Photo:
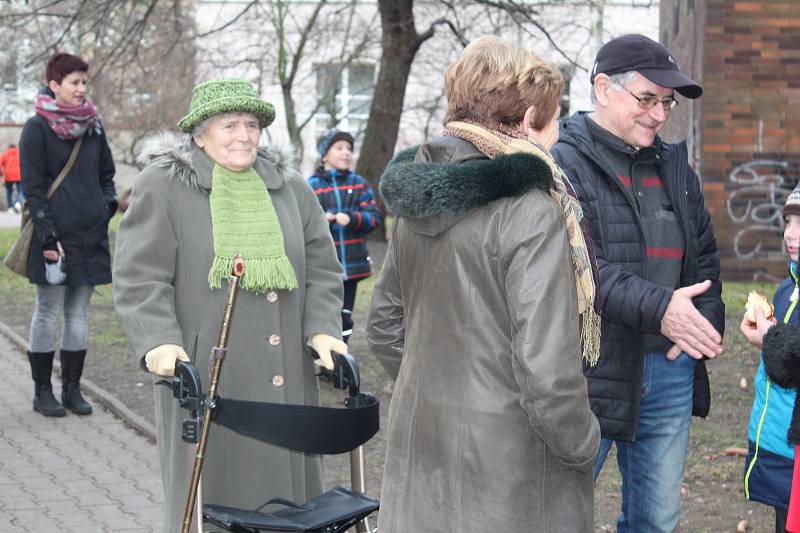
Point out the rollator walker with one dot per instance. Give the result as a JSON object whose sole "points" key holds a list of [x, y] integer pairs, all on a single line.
{"points": [[309, 429]]}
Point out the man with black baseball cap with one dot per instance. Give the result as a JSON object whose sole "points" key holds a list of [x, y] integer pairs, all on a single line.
{"points": [[648, 58], [658, 265]]}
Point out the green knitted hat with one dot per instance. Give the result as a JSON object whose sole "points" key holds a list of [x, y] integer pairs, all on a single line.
{"points": [[226, 95]]}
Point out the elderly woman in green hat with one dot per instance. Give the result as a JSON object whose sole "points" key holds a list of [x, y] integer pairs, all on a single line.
{"points": [[202, 198]]}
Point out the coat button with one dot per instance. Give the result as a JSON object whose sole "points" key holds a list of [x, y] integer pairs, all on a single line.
{"points": [[272, 297], [274, 340], [277, 380]]}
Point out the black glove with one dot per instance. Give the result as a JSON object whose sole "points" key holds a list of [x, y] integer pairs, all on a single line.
{"points": [[111, 208], [50, 244]]}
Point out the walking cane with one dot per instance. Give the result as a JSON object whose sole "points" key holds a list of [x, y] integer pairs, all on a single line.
{"points": [[215, 368]]}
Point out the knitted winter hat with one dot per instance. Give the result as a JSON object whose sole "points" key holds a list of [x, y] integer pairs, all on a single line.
{"points": [[226, 95], [792, 206], [332, 135]]}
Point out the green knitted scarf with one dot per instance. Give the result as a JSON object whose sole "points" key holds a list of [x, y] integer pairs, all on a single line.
{"points": [[244, 222]]}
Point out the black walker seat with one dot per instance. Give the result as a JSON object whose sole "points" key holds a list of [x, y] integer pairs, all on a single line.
{"points": [[309, 429], [334, 511]]}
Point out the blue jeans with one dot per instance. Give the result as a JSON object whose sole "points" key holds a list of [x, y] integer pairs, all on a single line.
{"points": [[50, 300], [651, 467], [11, 198]]}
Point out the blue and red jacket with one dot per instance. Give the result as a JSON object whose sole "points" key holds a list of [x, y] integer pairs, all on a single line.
{"points": [[770, 458], [347, 192]]}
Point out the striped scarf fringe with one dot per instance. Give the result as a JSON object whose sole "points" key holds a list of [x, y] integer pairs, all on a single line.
{"points": [[259, 275]]}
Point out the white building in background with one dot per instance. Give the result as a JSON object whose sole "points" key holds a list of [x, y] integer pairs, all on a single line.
{"points": [[245, 43], [248, 48]]}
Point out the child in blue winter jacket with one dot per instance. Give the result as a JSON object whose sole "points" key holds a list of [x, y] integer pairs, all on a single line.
{"points": [[770, 458], [349, 205]]}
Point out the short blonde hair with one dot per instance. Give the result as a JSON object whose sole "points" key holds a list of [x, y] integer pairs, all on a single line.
{"points": [[495, 81]]}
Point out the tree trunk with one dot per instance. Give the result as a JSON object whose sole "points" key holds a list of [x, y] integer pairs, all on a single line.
{"points": [[399, 45], [291, 120], [597, 10]]}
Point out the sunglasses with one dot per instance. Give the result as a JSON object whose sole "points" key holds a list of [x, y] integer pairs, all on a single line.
{"points": [[649, 101]]}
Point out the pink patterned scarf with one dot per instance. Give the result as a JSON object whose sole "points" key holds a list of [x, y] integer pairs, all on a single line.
{"points": [[67, 121]]}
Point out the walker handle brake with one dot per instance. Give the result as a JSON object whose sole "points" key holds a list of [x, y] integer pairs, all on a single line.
{"points": [[187, 389], [345, 374]]}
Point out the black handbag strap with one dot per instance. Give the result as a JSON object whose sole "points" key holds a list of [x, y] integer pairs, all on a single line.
{"points": [[306, 428], [64, 171]]}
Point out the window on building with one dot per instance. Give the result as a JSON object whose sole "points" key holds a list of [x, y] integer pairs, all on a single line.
{"points": [[345, 95]]}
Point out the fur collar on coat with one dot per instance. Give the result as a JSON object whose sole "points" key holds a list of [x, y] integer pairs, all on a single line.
{"points": [[422, 189], [782, 363], [187, 164]]}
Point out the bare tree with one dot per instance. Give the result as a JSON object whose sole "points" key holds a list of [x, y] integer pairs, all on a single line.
{"points": [[400, 42], [334, 39], [140, 47], [294, 46], [136, 49], [545, 21]]}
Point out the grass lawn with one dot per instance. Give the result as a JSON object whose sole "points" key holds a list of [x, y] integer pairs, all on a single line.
{"points": [[16, 293]]}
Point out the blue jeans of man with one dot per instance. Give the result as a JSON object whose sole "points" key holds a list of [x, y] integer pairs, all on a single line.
{"points": [[651, 466]]}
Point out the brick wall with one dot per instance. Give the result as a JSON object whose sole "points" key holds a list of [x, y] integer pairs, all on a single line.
{"points": [[750, 125]]}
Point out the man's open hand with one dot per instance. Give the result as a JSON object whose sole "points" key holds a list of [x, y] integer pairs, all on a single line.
{"points": [[683, 324]]}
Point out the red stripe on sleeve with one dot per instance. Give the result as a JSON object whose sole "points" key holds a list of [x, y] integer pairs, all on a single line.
{"points": [[665, 253]]}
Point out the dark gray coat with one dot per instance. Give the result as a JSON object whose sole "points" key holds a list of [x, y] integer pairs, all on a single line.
{"points": [[164, 251], [475, 314]]}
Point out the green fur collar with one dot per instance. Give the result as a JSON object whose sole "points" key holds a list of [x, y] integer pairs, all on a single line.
{"points": [[419, 189]]}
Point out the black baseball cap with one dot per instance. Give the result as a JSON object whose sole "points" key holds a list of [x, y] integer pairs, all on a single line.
{"points": [[647, 57]]}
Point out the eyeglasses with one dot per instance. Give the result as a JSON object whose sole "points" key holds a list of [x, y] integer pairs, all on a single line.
{"points": [[649, 101]]}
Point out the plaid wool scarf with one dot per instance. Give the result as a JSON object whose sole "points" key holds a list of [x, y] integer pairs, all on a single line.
{"points": [[496, 142], [68, 122], [244, 222]]}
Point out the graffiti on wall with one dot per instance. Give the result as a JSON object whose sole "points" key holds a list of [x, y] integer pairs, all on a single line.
{"points": [[755, 205]]}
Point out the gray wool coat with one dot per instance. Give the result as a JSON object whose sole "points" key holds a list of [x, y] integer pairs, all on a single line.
{"points": [[163, 254], [475, 314]]}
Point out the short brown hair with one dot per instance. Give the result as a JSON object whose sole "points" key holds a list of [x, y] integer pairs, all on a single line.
{"points": [[495, 81], [61, 65]]}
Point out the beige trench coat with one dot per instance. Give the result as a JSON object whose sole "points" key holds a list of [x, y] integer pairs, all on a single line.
{"points": [[163, 254], [476, 317]]}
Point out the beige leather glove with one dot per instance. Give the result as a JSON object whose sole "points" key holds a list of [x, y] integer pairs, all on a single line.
{"points": [[323, 344], [161, 359]]}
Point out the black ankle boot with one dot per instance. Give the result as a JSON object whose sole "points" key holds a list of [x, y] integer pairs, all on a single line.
{"points": [[43, 400], [71, 372], [73, 400]]}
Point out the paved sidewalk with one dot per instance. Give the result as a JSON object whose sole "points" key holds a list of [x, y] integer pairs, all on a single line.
{"points": [[9, 220], [70, 474]]}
